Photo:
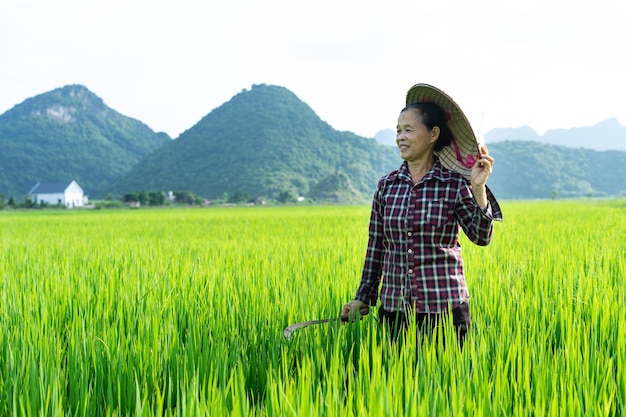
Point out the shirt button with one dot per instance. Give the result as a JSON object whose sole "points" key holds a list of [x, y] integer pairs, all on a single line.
{"points": [[411, 271], [410, 233], [410, 250]]}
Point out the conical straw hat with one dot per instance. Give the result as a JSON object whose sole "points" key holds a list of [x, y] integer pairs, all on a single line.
{"points": [[463, 152]]}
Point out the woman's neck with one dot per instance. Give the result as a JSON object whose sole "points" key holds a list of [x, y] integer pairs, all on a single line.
{"points": [[419, 168]]}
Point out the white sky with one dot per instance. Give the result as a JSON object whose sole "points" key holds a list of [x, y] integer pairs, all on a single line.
{"points": [[540, 63]]}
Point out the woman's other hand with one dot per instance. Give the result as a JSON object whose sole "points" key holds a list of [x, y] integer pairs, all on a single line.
{"points": [[351, 309]]}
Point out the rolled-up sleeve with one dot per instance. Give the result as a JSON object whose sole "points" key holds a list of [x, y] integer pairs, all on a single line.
{"points": [[372, 267]]}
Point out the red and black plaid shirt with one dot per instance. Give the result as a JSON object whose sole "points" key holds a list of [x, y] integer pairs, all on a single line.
{"points": [[413, 240]]}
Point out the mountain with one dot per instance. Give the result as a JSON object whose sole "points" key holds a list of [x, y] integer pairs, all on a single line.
{"points": [[69, 134], [519, 133], [529, 170], [607, 135], [386, 137], [262, 142], [335, 188]]}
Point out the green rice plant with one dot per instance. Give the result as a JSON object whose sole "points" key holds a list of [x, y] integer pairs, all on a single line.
{"points": [[180, 312]]}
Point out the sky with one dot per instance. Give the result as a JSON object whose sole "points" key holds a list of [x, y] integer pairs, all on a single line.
{"points": [[538, 63]]}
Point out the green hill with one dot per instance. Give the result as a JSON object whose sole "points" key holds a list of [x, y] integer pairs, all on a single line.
{"points": [[336, 188], [529, 170], [69, 134], [262, 142]]}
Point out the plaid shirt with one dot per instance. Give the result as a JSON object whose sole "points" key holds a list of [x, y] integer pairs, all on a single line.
{"points": [[413, 240]]}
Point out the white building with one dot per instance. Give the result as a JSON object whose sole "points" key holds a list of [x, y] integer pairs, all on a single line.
{"points": [[68, 194]]}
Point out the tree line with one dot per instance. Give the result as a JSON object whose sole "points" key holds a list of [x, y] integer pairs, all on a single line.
{"points": [[137, 198], [153, 199]]}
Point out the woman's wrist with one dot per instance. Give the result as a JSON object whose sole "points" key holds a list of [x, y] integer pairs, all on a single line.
{"points": [[480, 194]]}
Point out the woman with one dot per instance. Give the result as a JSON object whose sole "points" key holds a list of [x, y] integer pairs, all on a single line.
{"points": [[416, 213]]}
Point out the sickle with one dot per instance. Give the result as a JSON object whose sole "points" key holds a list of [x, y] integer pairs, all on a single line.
{"points": [[290, 329]]}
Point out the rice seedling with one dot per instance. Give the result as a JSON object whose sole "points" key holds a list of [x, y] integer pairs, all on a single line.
{"points": [[181, 312]]}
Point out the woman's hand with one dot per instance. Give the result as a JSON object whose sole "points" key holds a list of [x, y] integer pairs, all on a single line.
{"points": [[478, 177], [482, 168], [350, 310]]}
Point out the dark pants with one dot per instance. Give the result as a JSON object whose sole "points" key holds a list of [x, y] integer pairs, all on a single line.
{"points": [[428, 324]]}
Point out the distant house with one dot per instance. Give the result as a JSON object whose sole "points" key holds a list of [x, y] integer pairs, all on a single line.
{"points": [[66, 193]]}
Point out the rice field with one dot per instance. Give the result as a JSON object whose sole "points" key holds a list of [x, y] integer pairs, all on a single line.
{"points": [[180, 312]]}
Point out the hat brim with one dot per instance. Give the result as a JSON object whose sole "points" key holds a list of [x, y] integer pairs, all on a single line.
{"points": [[461, 154]]}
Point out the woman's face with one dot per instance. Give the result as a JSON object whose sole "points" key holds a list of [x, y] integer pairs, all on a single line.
{"points": [[414, 139]]}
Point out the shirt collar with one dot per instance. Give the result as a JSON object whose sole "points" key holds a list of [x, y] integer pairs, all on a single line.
{"points": [[437, 171]]}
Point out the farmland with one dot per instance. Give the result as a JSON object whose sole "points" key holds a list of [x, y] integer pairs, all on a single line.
{"points": [[182, 311]]}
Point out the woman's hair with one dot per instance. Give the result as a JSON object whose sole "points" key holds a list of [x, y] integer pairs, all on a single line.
{"points": [[432, 115]]}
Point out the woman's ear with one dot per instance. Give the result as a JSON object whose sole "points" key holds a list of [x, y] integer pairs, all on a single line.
{"points": [[434, 133]]}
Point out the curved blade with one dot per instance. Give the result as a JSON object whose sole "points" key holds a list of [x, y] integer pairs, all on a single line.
{"points": [[290, 329]]}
